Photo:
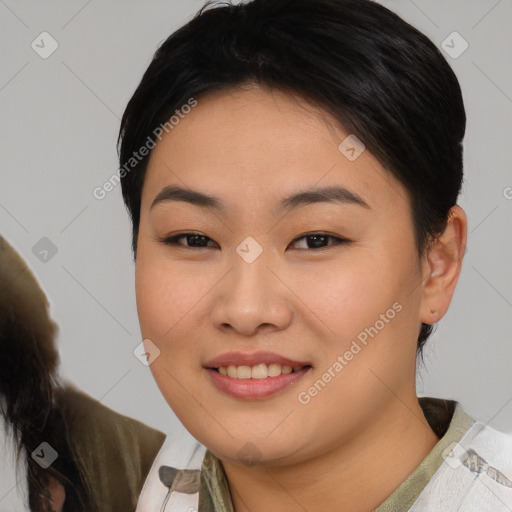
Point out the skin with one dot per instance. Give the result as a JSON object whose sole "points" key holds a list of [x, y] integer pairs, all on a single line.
{"points": [[356, 441], [58, 495]]}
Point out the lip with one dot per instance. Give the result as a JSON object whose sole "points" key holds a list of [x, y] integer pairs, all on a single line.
{"points": [[254, 388], [241, 359]]}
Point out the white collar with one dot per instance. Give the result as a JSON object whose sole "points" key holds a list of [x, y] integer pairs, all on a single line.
{"points": [[172, 484]]}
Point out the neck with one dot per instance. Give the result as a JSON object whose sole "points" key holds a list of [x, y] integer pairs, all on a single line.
{"points": [[356, 476]]}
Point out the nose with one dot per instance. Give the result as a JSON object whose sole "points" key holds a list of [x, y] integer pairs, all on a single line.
{"points": [[252, 298]]}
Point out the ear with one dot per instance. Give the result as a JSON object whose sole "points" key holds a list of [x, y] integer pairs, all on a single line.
{"points": [[441, 267]]}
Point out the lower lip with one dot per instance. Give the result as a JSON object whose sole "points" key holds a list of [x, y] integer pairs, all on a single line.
{"points": [[255, 388]]}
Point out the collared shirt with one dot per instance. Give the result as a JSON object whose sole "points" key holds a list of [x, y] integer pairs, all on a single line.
{"points": [[469, 469]]}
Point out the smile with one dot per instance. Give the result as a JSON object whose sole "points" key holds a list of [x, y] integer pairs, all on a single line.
{"points": [[260, 371], [254, 376], [254, 388]]}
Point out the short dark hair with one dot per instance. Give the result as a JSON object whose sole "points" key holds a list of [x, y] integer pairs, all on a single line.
{"points": [[381, 78]]}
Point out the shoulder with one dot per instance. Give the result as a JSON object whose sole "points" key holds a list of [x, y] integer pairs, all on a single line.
{"points": [[113, 452], [179, 460], [492, 445], [88, 417], [476, 474]]}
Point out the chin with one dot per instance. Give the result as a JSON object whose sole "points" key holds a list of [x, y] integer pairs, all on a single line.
{"points": [[248, 448]]}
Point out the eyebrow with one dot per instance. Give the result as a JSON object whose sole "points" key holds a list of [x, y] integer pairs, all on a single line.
{"points": [[327, 194]]}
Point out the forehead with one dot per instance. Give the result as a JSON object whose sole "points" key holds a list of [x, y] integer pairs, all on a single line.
{"points": [[253, 145]]}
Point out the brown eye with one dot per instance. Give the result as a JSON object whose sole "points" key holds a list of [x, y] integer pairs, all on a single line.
{"points": [[199, 241], [319, 241], [192, 240]]}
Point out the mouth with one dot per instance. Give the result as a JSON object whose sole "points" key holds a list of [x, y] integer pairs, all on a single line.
{"points": [[259, 371], [258, 365], [255, 376]]}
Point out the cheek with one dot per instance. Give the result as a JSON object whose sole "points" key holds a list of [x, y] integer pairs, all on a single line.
{"points": [[164, 292], [165, 302], [343, 295], [150, 296], [364, 297], [173, 311]]}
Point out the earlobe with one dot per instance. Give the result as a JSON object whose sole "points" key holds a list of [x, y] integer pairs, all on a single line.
{"points": [[442, 266]]}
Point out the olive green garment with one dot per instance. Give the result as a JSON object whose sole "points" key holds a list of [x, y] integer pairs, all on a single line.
{"points": [[114, 453], [446, 418]]}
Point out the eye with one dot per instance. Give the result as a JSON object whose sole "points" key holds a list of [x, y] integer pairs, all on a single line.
{"points": [[196, 240], [317, 240], [199, 241]]}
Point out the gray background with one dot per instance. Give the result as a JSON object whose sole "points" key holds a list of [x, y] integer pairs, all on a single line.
{"points": [[58, 128]]}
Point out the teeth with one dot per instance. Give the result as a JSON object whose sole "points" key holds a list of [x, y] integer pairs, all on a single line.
{"points": [[243, 372], [260, 371], [274, 370]]}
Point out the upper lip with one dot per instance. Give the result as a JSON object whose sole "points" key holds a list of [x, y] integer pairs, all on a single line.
{"points": [[241, 359]]}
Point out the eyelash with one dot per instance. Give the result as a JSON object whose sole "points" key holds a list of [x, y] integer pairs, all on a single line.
{"points": [[173, 240]]}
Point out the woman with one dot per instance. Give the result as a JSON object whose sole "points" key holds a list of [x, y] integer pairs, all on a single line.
{"points": [[65, 451], [292, 170]]}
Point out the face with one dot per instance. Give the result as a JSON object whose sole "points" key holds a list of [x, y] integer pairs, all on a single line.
{"points": [[330, 287]]}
